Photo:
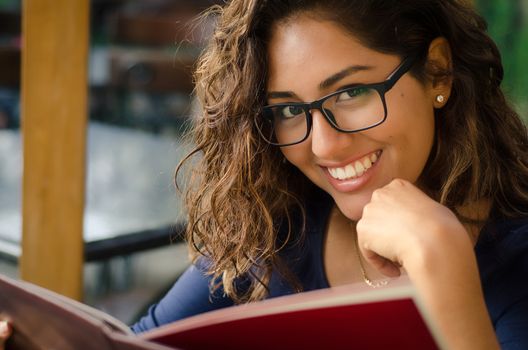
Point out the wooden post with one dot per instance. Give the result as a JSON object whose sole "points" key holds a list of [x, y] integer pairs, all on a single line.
{"points": [[54, 114]]}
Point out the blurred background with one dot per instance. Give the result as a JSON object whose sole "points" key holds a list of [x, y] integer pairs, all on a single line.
{"points": [[508, 26], [140, 104], [141, 56]]}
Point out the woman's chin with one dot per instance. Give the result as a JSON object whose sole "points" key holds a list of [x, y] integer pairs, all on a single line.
{"points": [[352, 212]]}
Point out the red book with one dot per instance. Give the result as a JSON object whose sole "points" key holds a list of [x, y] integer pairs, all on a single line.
{"points": [[348, 317]]}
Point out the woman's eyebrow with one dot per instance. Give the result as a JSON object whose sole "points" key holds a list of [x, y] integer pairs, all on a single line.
{"points": [[341, 75], [331, 80], [280, 94]]}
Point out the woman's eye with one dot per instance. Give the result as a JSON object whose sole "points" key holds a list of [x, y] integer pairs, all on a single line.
{"points": [[352, 93], [291, 111]]}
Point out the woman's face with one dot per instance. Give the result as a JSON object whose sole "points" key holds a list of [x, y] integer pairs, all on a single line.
{"points": [[303, 53]]}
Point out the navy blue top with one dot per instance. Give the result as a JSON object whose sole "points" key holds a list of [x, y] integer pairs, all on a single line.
{"points": [[502, 255]]}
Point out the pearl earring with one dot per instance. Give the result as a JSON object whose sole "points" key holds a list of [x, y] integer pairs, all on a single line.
{"points": [[440, 98]]}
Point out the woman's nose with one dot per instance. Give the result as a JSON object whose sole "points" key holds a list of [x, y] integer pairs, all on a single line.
{"points": [[326, 141]]}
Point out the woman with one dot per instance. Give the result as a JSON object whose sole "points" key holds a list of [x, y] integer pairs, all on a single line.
{"points": [[408, 160], [345, 141]]}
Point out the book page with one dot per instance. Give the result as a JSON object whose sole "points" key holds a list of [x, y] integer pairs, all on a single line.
{"points": [[42, 319]]}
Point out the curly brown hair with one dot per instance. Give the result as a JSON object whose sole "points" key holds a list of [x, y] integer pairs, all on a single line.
{"points": [[240, 190]]}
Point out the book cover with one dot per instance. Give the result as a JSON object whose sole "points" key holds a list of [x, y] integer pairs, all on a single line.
{"points": [[348, 317]]}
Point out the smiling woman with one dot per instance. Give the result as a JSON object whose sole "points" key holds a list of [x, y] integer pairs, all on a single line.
{"points": [[346, 141], [401, 152]]}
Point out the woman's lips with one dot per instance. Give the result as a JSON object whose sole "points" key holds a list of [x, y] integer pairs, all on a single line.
{"points": [[355, 174]]}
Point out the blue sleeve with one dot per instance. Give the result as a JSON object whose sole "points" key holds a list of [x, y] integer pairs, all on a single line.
{"points": [[512, 327], [188, 296], [504, 268]]}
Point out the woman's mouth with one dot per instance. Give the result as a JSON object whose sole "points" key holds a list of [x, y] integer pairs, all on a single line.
{"points": [[356, 168], [353, 176]]}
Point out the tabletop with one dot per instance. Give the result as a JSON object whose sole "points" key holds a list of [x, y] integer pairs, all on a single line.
{"points": [[130, 193]]}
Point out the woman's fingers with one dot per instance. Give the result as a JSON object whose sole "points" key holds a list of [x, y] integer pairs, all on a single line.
{"points": [[5, 332], [400, 224], [383, 265]]}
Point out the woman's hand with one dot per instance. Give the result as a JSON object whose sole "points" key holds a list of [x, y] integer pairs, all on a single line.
{"points": [[403, 227], [5, 332]]}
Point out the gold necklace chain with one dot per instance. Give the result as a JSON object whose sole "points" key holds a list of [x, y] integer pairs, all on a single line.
{"points": [[367, 280]]}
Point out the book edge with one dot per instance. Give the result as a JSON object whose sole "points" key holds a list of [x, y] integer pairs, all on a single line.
{"points": [[353, 294], [68, 304]]}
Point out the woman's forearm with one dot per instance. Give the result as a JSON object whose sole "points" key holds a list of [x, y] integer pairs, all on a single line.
{"points": [[449, 284]]}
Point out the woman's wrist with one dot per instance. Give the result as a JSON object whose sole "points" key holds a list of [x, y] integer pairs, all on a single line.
{"points": [[439, 244]]}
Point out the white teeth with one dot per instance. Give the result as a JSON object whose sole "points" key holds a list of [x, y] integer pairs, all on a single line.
{"points": [[350, 171], [359, 168], [341, 174], [355, 169]]}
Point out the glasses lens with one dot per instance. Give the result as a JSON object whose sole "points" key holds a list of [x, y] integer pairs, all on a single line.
{"points": [[355, 108], [284, 124]]}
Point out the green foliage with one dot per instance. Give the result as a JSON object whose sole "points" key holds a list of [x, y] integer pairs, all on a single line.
{"points": [[508, 26], [10, 5]]}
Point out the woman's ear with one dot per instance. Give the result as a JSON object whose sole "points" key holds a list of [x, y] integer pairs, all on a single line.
{"points": [[440, 68]]}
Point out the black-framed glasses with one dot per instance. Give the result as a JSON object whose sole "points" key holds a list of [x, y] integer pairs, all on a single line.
{"points": [[351, 109]]}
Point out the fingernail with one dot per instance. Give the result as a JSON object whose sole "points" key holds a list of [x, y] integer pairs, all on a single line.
{"points": [[4, 329]]}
